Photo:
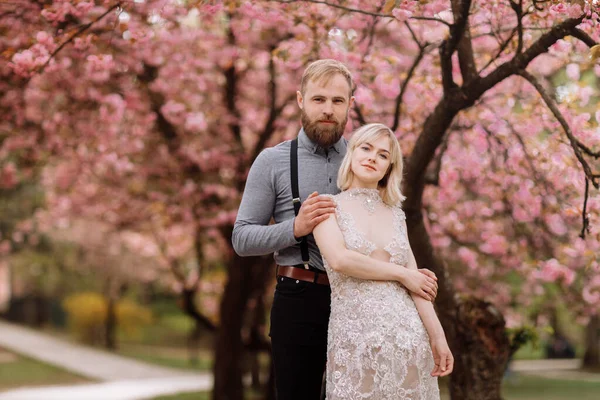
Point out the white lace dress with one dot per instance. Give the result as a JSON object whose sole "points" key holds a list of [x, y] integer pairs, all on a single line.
{"points": [[377, 347]]}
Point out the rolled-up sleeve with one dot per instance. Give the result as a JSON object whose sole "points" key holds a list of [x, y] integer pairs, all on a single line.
{"points": [[252, 235]]}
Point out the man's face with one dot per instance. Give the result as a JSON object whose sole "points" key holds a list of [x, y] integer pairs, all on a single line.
{"points": [[325, 109]]}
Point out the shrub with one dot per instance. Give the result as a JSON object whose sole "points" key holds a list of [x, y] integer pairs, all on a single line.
{"points": [[87, 315]]}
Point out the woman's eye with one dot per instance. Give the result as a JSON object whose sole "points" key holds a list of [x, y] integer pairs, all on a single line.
{"points": [[383, 156]]}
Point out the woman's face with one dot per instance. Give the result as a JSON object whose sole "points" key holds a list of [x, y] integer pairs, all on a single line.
{"points": [[370, 162]]}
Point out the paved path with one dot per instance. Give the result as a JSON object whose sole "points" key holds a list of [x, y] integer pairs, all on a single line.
{"points": [[117, 390], [123, 378]]}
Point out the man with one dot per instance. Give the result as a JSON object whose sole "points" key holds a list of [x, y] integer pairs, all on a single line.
{"points": [[300, 312]]}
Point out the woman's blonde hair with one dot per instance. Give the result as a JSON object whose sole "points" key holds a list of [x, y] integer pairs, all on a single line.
{"points": [[390, 185]]}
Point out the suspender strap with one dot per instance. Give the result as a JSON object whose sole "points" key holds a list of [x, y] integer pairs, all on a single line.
{"points": [[296, 196]]}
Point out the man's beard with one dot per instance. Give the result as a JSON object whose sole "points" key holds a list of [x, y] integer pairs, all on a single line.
{"points": [[325, 136]]}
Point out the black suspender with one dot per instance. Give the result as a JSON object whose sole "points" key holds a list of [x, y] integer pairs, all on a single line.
{"points": [[296, 197]]}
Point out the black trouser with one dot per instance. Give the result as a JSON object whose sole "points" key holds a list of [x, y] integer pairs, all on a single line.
{"points": [[299, 320]]}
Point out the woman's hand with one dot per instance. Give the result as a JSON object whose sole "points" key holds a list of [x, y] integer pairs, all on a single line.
{"points": [[422, 282], [444, 361]]}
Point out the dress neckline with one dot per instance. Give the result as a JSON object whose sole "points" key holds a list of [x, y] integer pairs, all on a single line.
{"points": [[367, 191], [370, 197]]}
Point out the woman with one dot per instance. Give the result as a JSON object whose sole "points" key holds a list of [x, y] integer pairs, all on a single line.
{"points": [[383, 341]]}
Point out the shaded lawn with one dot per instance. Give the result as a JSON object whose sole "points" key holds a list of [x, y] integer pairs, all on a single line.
{"points": [[174, 357], [518, 387], [525, 387], [18, 371]]}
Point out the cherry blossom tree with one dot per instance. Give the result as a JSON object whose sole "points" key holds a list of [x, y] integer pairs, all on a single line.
{"points": [[149, 114]]}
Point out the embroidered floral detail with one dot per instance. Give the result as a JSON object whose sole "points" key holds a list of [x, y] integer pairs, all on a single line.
{"points": [[377, 346]]}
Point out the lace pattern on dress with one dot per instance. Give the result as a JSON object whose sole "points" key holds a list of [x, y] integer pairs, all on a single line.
{"points": [[377, 346]]}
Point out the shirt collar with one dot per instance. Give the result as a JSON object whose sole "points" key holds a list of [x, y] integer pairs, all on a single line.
{"points": [[311, 146]]}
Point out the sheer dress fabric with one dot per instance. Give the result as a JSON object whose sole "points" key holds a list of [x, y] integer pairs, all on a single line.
{"points": [[377, 347]]}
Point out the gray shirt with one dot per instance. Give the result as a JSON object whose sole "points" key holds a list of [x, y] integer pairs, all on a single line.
{"points": [[268, 193]]}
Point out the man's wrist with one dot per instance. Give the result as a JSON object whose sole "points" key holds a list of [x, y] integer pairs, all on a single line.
{"points": [[297, 237]]}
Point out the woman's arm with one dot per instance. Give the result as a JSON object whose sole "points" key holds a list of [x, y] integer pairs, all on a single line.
{"points": [[333, 248], [444, 361]]}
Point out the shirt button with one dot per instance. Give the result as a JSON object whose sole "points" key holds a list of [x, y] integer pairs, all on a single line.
{"points": [[329, 180], [329, 159]]}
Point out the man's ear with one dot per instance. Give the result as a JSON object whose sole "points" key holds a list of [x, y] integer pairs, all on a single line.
{"points": [[351, 101], [299, 99]]}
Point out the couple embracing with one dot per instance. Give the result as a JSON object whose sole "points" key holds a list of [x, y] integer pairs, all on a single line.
{"points": [[349, 299]]}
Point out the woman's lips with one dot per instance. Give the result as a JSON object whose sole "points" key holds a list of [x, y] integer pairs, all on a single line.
{"points": [[369, 167]]}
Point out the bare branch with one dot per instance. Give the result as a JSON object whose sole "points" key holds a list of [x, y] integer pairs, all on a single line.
{"points": [[355, 10], [587, 150], [78, 32], [274, 112], [466, 59], [359, 114], [558, 115], [433, 176], [359, 11], [584, 37], [404, 86], [586, 221], [518, 9], [432, 19], [477, 87], [457, 30], [230, 94], [503, 47]]}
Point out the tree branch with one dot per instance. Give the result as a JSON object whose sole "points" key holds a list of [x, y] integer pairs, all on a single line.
{"points": [[432, 177], [231, 87], [274, 112], [503, 47], [355, 10], [404, 85], [474, 89], [586, 221], [359, 114], [584, 37], [518, 9], [466, 59], [78, 32], [558, 115], [587, 150], [448, 24], [457, 30]]}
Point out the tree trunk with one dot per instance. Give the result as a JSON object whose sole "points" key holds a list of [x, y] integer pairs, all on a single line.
{"points": [[245, 276], [484, 350], [591, 358], [110, 327]]}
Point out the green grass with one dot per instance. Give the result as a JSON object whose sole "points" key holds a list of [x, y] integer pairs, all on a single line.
{"points": [[186, 396], [21, 371], [525, 387], [530, 352], [174, 357], [519, 387]]}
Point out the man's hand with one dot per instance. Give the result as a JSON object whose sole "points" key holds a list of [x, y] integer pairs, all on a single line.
{"points": [[422, 282], [314, 210], [442, 357]]}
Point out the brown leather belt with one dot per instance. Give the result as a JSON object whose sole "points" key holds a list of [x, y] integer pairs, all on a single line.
{"points": [[302, 274]]}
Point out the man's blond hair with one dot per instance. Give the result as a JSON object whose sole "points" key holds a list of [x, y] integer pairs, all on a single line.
{"points": [[324, 70]]}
